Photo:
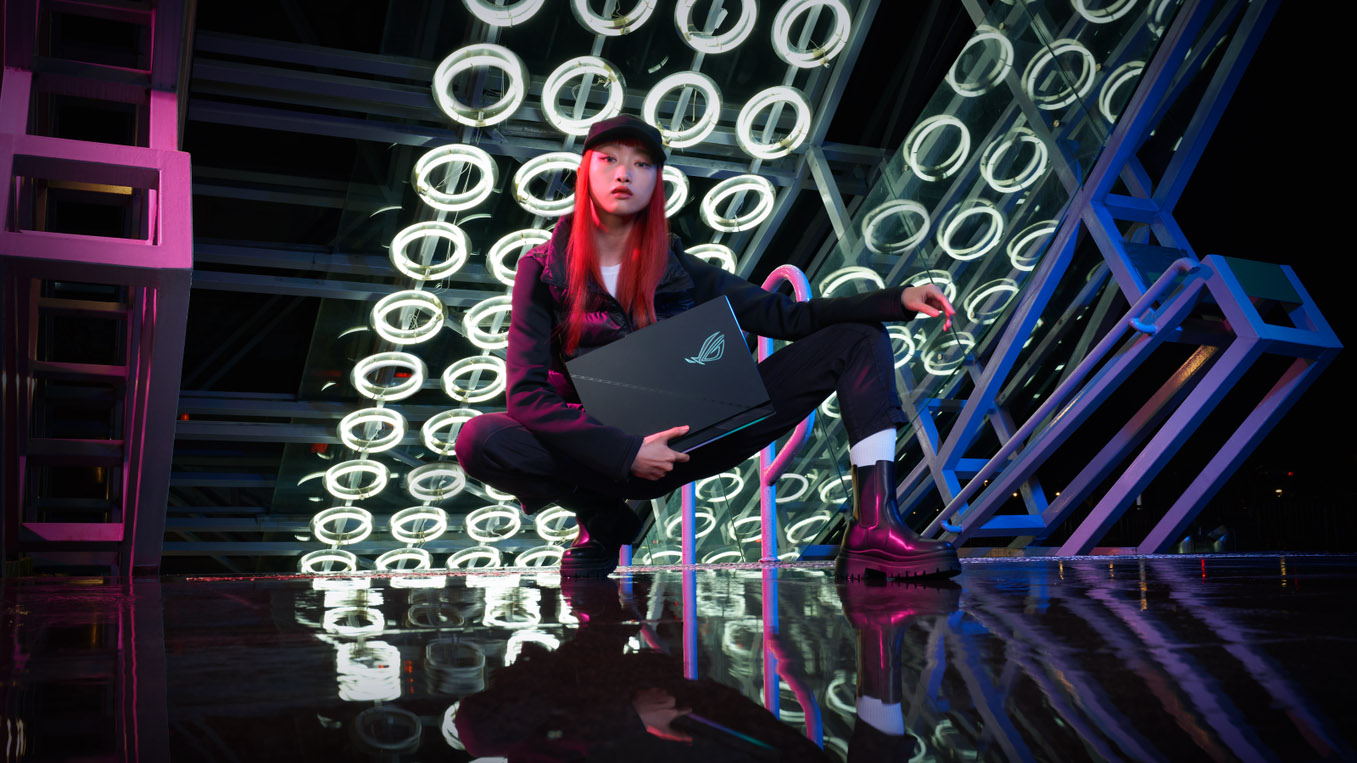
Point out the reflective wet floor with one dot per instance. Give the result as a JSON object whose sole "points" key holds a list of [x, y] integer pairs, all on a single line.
{"points": [[1123, 658]]}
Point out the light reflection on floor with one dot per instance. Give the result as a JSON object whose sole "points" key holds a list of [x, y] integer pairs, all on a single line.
{"points": [[1134, 658]]}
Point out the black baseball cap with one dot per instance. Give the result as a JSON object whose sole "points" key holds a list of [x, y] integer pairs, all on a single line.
{"points": [[625, 126]]}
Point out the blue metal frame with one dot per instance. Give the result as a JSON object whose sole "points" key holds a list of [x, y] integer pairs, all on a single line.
{"points": [[1165, 422]]}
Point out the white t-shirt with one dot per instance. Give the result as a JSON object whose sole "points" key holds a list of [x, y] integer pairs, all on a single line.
{"points": [[609, 273]]}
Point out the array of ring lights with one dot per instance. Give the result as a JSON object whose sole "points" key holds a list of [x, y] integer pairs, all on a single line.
{"points": [[997, 168]]}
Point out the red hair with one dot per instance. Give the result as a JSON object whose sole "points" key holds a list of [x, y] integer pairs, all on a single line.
{"points": [[647, 253]]}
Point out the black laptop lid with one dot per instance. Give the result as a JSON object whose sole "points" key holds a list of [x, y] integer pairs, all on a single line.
{"points": [[693, 368]]}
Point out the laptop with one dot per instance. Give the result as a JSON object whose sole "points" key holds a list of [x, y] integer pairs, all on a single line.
{"points": [[693, 368]]}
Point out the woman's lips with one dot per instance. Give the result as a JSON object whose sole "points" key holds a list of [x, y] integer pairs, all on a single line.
{"points": [[622, 192]]}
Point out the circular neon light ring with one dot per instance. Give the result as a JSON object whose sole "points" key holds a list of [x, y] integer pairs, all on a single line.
{"points": [[332, 525], [1112, 12], [1088, 66], [465, 59], [951, 224], [719, 488], [804, 530], [697, 131], [583, 66], [455, 154], [900, 336], [435, 271], [340, 478], [1032, 172], [1158, 24], [1017, 249], [844, 484], [467, 558], [326, 559], [1123, 75], [740, 638], [540, 556], [703, 523], [736, 527], [556, 161], [514, 245], [418, 524], [485, 311], [841, 685], [954, 343], [802, 485], [423, 308], [508, 14], [843, 276], [389, 728], [353, 621], [974, 304], [619, 24], [432, 483], [805, 58], [467, 367], [490, 524], [767, 99], [394, 559], [451, 421], [556, 525], [730, 187], [402, 361], [903, 208], [1003, 63], [676, 190], [915, 152], [714, 43], [498, 495], [372, 417], [719, 255], [514, 645]]}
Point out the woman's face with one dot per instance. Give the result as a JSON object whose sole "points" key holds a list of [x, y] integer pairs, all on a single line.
{"points": [[621, 181]]}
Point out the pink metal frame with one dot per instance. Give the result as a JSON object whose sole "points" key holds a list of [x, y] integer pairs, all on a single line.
{"points": [[154, 267]]}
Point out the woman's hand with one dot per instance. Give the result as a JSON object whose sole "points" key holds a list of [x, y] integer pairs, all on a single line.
{"points": [[929, 300], [655, 458], [658, 709]]}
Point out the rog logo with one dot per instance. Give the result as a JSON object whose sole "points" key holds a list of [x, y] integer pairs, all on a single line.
{"points": [[712, 349]]}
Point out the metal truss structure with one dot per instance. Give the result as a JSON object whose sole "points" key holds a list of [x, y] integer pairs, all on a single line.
{"points": [[1230, 312], [1031, 145], [95, 259]]}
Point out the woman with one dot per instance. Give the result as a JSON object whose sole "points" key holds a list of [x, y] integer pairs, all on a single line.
{"points": [[612, 268]]}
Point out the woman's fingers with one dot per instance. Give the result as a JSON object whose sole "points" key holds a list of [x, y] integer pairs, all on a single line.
{"points": [[929, 300], [668, 434], [656, 458]]}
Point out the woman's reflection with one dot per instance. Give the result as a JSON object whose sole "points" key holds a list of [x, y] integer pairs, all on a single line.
{"points": [[593, 699]]}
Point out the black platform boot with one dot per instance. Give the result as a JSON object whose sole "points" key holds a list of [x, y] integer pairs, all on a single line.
{"points": [[877, 541], [606, 525]]}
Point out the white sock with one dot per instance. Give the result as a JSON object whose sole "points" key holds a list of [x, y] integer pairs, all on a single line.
{"points": [[883, 717], [873, 448]]}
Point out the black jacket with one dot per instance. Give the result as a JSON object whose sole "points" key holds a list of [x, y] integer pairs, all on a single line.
{"points": [[540, 395]]}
